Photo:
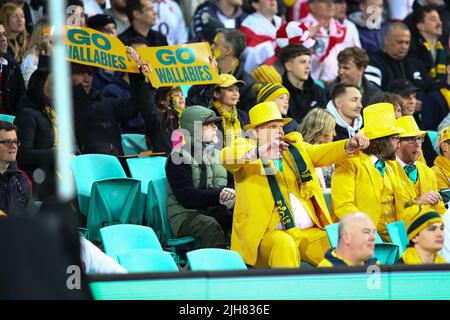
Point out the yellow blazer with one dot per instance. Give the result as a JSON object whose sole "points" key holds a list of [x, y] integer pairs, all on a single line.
{"points": [[356, 185], [426, 181], [255, 213], [441, 169]]}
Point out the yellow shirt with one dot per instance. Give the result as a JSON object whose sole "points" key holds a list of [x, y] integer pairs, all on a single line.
{"points": [[426, 181], [356, 185], [410, 256], [441, 169]]}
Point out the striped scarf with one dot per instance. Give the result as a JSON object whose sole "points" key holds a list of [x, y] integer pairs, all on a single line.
{"points": [[51, 114], [438, 66], [231, 125]]}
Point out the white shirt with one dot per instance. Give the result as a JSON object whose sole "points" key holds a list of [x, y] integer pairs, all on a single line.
{"points": [[445, 251], [170, 22], [301, 217], [96, 261], [402, 163]]}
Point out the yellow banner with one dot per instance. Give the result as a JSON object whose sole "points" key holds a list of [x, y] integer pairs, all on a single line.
{"points": [[91, 47], [186, 64]]}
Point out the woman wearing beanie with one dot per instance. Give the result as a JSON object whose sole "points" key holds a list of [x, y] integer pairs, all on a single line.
{"points": [[425, 229], [280, 95]]}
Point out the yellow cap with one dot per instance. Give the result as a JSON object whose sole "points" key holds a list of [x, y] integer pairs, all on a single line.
{"points": [[263, 113], [444, 135], [379, 121], [226, 80], [409, 127], [418, 217]]}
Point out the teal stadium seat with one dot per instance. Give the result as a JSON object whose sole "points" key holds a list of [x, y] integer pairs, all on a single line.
{"points": [[157, 204], [133, 143], [122, 238], [332, 231], [215, 260], [398, 235], [386, 253], [147, 260], [113, 201], [7, 117], [147, 169], [87, 169]]}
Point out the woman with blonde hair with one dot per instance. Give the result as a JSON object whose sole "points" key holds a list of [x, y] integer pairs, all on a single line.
{"points": [[317, 127], [13, 18], [40, 44]]}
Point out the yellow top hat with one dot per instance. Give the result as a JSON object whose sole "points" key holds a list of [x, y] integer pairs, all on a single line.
{"points": [[409, 126], [379, 120], [264, 112], [226, 80], [418, 217], [444, 135]]}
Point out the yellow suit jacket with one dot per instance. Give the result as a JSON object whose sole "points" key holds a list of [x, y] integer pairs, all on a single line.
{"points": [[255, 213], [441, 169], [426, 182], [356, 185]]}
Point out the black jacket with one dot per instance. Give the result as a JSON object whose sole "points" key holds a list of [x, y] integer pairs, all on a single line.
{"points": [[37, 137], [15, 193], [435, 108], [13, 87], [154, 38], [301, 101], [382, 69], [97, 117]]}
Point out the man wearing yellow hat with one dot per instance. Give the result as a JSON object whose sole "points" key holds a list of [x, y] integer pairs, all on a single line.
{"points": [[366, 183], [425, 230], [442, 163], [417, 179], [280, 211]]}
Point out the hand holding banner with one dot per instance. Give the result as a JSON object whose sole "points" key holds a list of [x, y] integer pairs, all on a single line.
{"points": [[187, 64]]}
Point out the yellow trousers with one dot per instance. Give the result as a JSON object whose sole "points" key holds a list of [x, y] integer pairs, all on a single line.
{"points": [[278, 249]]}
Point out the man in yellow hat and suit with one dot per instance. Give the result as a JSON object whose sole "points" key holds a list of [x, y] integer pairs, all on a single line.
{"points": [[442, 163], [366, 184], [425, 229], [280, 211], [417, 178]]}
